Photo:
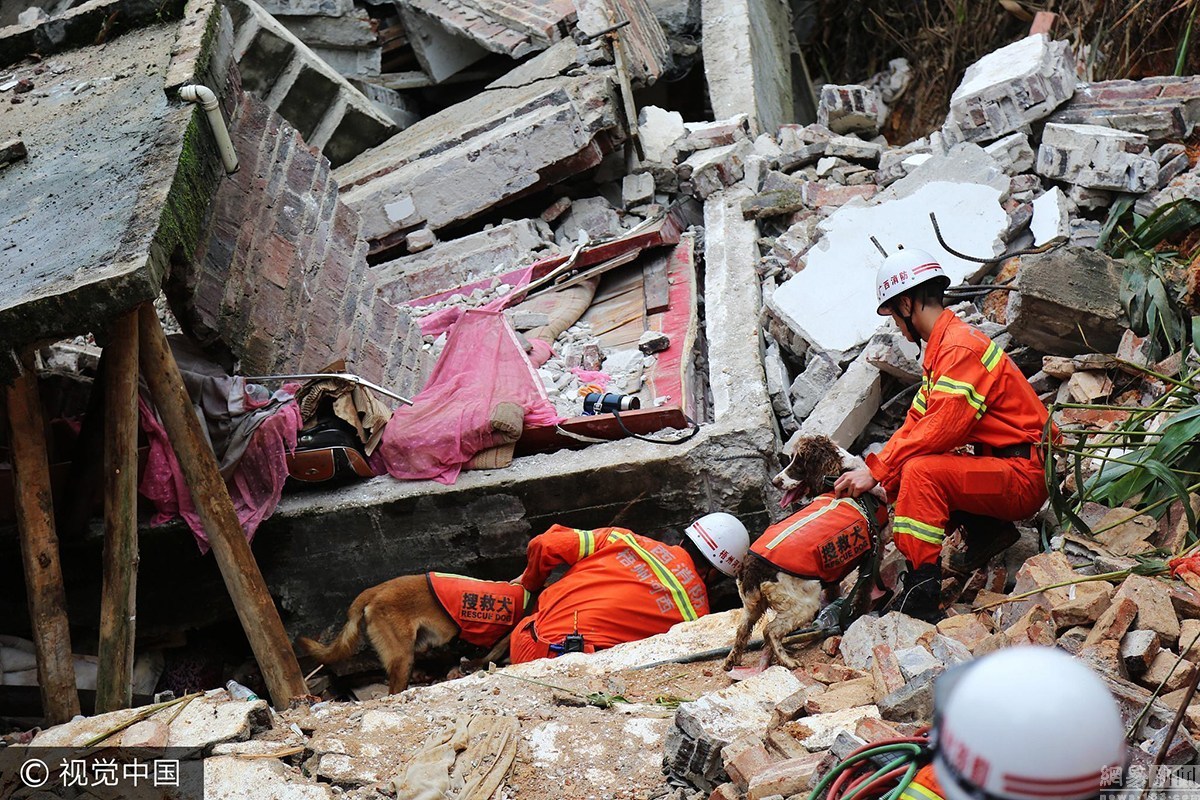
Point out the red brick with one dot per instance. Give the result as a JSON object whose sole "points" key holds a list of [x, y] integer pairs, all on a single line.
{"points": [[885, 670], [870, 730], [726, 791], [747, 763], [1114, 622], [832, 673], [785, 778]]}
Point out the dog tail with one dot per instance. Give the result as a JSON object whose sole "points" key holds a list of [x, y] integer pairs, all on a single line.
{"points": [[345, 645]]}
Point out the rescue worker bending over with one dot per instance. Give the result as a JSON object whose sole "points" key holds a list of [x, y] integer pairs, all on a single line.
{"points": [[971, 394], [620, 586]]}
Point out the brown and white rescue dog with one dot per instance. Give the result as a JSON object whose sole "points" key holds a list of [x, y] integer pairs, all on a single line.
{"points": [[403, 618], [795, 600]]}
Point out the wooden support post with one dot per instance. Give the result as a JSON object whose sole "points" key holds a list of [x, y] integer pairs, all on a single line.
{"points": [[114, 684], [39, 549], [255, 608]]}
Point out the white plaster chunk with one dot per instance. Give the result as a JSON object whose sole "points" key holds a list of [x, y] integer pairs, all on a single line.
{"points": [[1013, 153], [659, 130], [1009, 88], [737, 710], [1051, 217], [1097, 157], [823, 729], [831, 303], [915, 660]]}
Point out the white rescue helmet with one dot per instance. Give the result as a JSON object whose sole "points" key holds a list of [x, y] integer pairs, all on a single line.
{"points": [[901, 271], [722, 538], [1028, 723]]}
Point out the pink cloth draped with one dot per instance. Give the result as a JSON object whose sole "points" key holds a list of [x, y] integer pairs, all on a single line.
{"points": [[483, 364], [255, 485]]}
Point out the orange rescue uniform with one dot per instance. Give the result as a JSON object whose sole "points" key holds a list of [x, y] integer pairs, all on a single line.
{"points": [[620, 587], [484, 611], [823, 541], [924, 786], [971, 393]]}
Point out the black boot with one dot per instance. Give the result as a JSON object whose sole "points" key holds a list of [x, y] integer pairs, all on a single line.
{"points": [[983, 537], [921, 597]]}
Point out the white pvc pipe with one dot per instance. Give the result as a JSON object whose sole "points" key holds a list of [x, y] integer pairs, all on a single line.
{"points": [[208, 101]]}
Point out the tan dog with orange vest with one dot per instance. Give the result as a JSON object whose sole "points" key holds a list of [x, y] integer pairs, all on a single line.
{"points": [[412, 614], [815, 548]]}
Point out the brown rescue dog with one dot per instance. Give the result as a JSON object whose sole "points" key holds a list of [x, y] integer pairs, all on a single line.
{"points": [[795, 600], [403, 618]]}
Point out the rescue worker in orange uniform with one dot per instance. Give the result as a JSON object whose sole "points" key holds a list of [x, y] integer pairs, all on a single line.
{"points": [[971, 394], [620, 586]]}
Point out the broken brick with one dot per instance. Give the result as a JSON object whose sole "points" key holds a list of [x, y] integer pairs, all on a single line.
{"points": [[1138, 651], [1114, 622], [785, 778], [885, 671]]}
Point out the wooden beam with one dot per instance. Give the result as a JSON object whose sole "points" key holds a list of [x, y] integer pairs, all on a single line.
{"points": [[255, 608], [39, 549], [114, 683]]}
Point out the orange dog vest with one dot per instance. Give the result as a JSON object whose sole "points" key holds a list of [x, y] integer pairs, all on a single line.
{"points": [[823, 541], [484, 610]]}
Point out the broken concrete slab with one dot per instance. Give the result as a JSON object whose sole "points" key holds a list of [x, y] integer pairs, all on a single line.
{"points": [[1010, 88], [1159, 107], [501, 142], [1097, 157], [747, 61], [915, 660], [515, 29], [810, 386], [850, 109], [1182, 186], [463, 261], [831, 303], [846, 410], [594, 216], [852, 148], [440, 52], [324, 107], [1062, 290]]}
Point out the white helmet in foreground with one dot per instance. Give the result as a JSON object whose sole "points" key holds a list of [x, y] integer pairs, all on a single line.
{"points": [[1028, 723], [722, 538], [903, 270]]}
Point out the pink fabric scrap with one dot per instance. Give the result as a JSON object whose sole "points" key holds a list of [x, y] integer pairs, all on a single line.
{"points": [[585, 376], [255, 486], [483, 364]]}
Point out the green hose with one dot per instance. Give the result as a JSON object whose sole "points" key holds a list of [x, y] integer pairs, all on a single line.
{"points": [[912, 751]]}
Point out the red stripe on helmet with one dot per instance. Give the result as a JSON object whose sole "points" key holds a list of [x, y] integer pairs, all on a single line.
{"points": [[704, 535], [926, 267]]}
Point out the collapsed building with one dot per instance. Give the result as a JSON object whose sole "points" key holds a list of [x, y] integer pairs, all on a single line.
{"points": [[720, 270]]}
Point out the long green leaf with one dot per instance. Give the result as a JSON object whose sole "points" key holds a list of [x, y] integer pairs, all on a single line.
{"points": [[1181, 429], [1182, 53], [1115, 213], [1166, 222], [1160, 471], [1164, 308]]}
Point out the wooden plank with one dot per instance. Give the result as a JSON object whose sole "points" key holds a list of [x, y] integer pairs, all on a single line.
{"points": [[114, 682], [656, 285], [601, 426], [44, 589], [255, 608]]}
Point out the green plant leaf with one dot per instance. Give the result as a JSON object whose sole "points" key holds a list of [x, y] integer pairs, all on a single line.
{"points": [[1160, 471], [1166, 222], [1115, 213]]}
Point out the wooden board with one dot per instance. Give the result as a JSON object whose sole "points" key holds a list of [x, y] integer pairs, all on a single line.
{"points": [[657, 287], [602, 426]]}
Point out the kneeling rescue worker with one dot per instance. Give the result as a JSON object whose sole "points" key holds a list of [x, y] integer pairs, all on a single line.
{"points": [[620, 586], [973, 394]]}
